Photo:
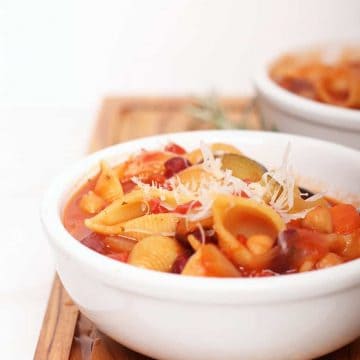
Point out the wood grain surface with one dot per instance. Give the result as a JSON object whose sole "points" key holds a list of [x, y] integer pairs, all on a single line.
{"points": [[68, 335], [58, 327]]}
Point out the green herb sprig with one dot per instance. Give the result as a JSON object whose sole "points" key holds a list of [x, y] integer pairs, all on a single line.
{"points": [[209, 110]]}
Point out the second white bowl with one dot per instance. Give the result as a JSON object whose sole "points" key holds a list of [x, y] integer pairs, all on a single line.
{"points": [[294, 114]]}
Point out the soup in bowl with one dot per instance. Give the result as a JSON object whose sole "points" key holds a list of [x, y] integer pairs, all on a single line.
{"points": [[213, 249], [314, 92]]}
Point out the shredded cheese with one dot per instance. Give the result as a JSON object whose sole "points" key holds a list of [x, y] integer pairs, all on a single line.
{"points": [[202, 233], [276, 188], [316, 196]]}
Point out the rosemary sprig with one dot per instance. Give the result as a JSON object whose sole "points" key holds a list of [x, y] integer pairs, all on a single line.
{"points": [[209, 110]]}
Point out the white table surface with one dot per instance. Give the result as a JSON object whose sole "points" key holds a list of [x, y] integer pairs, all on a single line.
{"points": [[35, 144]]}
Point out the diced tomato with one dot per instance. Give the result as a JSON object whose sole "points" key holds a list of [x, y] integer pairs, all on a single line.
{"points": [[244, 195], [127, 185], [184, 208], [150, 156], [175, 148], [155, 207], [154, 178], [294, 224], [123, 256], [241, 194], [345, 218], [180, 262], [167, 186]]}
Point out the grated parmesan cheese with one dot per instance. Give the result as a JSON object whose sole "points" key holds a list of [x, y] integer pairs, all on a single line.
{"points": [[202, 233], [279, 184]]}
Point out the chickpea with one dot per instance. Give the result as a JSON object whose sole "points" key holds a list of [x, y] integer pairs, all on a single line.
{"points": [[319, 219], [259, 244], [330, 259]]}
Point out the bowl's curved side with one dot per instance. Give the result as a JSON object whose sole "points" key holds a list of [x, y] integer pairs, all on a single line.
{"points": [[173, 317], [328, 115], [309, 110], [275, 115], [178, 329]]}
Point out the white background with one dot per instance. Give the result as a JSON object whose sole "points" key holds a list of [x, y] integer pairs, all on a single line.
{"points": [[71, 52], [59, 58]]}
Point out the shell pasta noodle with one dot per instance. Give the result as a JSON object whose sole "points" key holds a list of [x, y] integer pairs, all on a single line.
{"points": [[313, 76], [211, 212]]}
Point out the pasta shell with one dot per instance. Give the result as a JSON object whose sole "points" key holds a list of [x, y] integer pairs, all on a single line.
{"points": [[155, 253], [300, 204], [108, 185], [196, 157], [235, 216], [119, 170], [184, 226], [194, 266], [109, 221], [210, 261], [165, 195], [135, 195], [331, 83], [153, 224], [193, 176], [91, 203]]}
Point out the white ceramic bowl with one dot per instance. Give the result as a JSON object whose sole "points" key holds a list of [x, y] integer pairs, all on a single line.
{"points": [[169, 316], [294, 114]]}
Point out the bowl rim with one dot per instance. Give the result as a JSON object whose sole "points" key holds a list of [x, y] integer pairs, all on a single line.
{"points": [[312, 111], [192, 289]]}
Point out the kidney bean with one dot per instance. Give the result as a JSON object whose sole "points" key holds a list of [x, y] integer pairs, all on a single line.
{"points": [[94, 242], [175, 165], [180, 262]]}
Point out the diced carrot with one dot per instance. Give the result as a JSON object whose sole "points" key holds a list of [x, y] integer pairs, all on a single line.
{"points": [[345, 218]]}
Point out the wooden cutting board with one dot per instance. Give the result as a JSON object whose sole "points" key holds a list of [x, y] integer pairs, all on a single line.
{"points": [[68, 335]]}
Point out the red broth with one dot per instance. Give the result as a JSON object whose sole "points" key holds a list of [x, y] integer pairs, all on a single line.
{"points": [[298, 248]]}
